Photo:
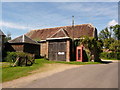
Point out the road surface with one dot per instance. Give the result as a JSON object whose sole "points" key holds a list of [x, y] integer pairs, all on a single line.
{"points": [[86, 76]]}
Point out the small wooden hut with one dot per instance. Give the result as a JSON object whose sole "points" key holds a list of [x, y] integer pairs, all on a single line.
{"points": [[23, 44]]}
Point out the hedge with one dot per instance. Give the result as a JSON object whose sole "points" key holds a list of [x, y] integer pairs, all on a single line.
{"points": [[110, 55], [23, 58]]}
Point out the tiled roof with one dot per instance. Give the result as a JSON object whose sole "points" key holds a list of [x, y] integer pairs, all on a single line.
{"points": [[60, 33], [22, 39], [75, 31]]}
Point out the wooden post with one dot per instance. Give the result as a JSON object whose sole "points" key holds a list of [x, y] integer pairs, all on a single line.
{"points": [[68, 51], [26, 60], [47, 50], [16, 62]]}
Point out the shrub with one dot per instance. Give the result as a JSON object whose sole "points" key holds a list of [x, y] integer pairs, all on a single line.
{"points": [[20, 58], [11, 57], [110, 55]]}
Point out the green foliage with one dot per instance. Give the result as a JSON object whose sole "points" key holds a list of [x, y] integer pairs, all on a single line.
{"points": [[115, 46], [12, 57], [104, 34], [110, 55], [107, 42], [111, 37], [76, 42], [116, 30], [92, 45]]}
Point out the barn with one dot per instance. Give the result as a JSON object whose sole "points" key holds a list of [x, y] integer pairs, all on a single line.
{"points": [[23, 44], [59, 46], [57, 43]]}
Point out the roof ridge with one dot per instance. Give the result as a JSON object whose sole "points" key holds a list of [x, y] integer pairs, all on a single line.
{"points": [[79, 30], [28, 38], [23, 38], [60, 27], [14, 38]]}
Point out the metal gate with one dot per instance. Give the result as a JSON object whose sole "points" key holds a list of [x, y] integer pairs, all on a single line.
{"points": [[57, 50]]}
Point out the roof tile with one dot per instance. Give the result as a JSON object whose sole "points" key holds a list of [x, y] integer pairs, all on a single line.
{"points": [[75, 31]]}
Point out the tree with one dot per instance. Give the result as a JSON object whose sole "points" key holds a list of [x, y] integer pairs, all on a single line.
{"points": [[116, 30], [105, 34], [115, 46], [107, 42], [109, 35], [94, 46]]}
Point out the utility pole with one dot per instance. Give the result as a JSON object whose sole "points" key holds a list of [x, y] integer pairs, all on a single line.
{"points": [[73, 46], [72, 20], [73, 27]]}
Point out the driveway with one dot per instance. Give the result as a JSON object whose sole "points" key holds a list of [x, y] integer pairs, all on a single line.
{"points": [[85, 76]]}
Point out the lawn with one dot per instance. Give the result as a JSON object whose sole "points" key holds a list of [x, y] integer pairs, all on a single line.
{"points": [[10, 73]]}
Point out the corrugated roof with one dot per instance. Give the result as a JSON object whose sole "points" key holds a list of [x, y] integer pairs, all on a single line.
{"points": [[22, 39], [75, 31]]}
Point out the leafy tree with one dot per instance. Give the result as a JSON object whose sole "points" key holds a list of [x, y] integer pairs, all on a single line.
{"points": [[108, 37], [116, 30], [105, 34], [115, 46], [107, 42], [94, 46]]}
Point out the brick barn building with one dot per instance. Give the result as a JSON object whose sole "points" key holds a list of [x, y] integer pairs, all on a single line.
{"points": [[56, 43]]}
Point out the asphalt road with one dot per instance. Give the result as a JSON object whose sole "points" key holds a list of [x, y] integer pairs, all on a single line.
{"points": [[86, 76]]}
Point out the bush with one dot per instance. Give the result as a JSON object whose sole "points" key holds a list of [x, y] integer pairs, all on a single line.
{"points": [[11, 57], [23, 58], [110, 55]]}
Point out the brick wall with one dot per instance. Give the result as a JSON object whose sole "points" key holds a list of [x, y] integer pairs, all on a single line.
{"points": [[18, 48], [68, 51], [43, 49]]}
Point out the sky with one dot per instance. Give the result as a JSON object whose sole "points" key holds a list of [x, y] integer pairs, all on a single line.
{"points": [[19, 18]]}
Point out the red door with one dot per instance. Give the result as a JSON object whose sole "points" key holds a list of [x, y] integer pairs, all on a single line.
{"points": [[79, 53]]}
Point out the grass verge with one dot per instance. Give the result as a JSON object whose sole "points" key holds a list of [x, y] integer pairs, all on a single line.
{"points": [[10, 73]]}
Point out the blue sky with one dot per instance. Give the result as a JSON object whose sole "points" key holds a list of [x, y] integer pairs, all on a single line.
{"points": [[20, 17]]}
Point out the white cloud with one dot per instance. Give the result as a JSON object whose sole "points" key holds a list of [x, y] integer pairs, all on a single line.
{"points": [[112, 23], [13, 25], [91, 9]]}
